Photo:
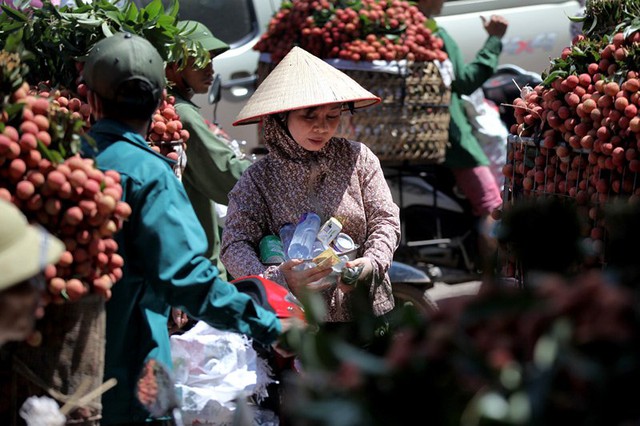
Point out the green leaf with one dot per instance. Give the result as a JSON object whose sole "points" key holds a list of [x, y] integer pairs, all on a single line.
{"points": [[153, 9], [75, 14], [18, 16], [58, 37], [81, 7], [28, 56], [367, 362], [114, 16], [13, 41], [131, 12], [432, 25], [106, 29], [554, 75], [173, 9], [314, 307], [89, 23], [21, 4], [631, 29], [51, 155], [88, 139], [13, 109], [576, 18], [76, 143], [165, 21]]}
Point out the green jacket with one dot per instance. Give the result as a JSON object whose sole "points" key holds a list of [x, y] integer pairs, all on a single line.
{"points": [[212, 170], [162, 244], [465, 150]]}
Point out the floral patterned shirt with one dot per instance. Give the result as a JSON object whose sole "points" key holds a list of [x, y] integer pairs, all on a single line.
{"points": [[344, 180]]}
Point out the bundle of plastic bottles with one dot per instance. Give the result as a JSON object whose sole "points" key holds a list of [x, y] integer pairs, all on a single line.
{"points": [[310, 240]]}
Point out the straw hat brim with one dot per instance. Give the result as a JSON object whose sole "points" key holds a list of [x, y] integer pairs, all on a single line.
{"points": [[30, 251], [301, 80]]}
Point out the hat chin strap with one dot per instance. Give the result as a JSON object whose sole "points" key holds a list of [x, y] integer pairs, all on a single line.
{"points": [[44, 243], [181, 84]]}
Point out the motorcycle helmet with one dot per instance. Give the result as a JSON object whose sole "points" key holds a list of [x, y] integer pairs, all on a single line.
{"points": [[271, 296]]}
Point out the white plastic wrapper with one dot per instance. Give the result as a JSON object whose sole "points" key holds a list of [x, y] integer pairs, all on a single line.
{"points": [[178, 169], [221, 213], [42, 411], [211, 369], [490, 131]]}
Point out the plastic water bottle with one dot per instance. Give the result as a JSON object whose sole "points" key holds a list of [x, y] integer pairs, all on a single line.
{"points": [[304, 236], [286, 233], [317, 248], [271, 251]]}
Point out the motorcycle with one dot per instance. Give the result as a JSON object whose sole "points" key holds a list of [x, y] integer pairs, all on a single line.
{"points": [[438, 229], [506, 85], [409, 287]]}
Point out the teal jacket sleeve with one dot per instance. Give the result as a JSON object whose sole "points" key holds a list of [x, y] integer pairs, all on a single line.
{"points": [[173, 239], [212, 166], [470, 76]]}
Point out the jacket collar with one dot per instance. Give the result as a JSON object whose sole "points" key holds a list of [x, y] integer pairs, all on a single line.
{"points": [[107, 131]]}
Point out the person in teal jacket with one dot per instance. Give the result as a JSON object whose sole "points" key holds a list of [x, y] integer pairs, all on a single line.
{"points": [[162, 243], [465, 156], [213, 167]]}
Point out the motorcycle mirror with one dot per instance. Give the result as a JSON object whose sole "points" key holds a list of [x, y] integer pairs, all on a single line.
{"points": [[156, 392], [215, 91]]}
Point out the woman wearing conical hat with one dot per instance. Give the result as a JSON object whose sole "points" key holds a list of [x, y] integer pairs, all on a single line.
{"points": [[309, 169], [25, 251]]}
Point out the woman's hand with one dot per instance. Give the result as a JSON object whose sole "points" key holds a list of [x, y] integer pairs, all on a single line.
{"points": [[495, 26], [365, 277], [177, 320], [299, 279], [281, 345]]}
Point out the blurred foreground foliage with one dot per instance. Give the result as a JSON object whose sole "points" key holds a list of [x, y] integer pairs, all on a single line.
{"points": [[562, 349]]}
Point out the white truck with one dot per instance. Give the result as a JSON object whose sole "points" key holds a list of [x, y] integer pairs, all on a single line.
{"points": [[538, 31]]}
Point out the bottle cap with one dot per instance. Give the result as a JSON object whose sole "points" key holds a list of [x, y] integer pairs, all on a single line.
{"points": [[343, 243]]}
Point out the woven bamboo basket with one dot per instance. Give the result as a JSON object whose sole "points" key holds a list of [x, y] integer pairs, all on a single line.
{"points": [[412, 121], [68, 364]]}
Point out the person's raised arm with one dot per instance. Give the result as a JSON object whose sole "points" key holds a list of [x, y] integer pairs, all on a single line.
{"points": [[496, 25], [174, 242]]}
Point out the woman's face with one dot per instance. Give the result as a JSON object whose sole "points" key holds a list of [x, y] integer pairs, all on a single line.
{"points": [[20, 306], [312, 128]]}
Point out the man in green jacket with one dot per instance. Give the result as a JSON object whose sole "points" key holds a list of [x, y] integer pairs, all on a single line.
{"points": [[213, 167], [162, 243], [465, 156]]}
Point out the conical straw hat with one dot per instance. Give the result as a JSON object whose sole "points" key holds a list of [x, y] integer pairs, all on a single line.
{"points": [[25, 249], [302, 80]]}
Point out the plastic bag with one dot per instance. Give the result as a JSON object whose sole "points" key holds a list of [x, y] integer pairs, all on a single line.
{"points": [[211, 369], [42, 411], [490, 131]]}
